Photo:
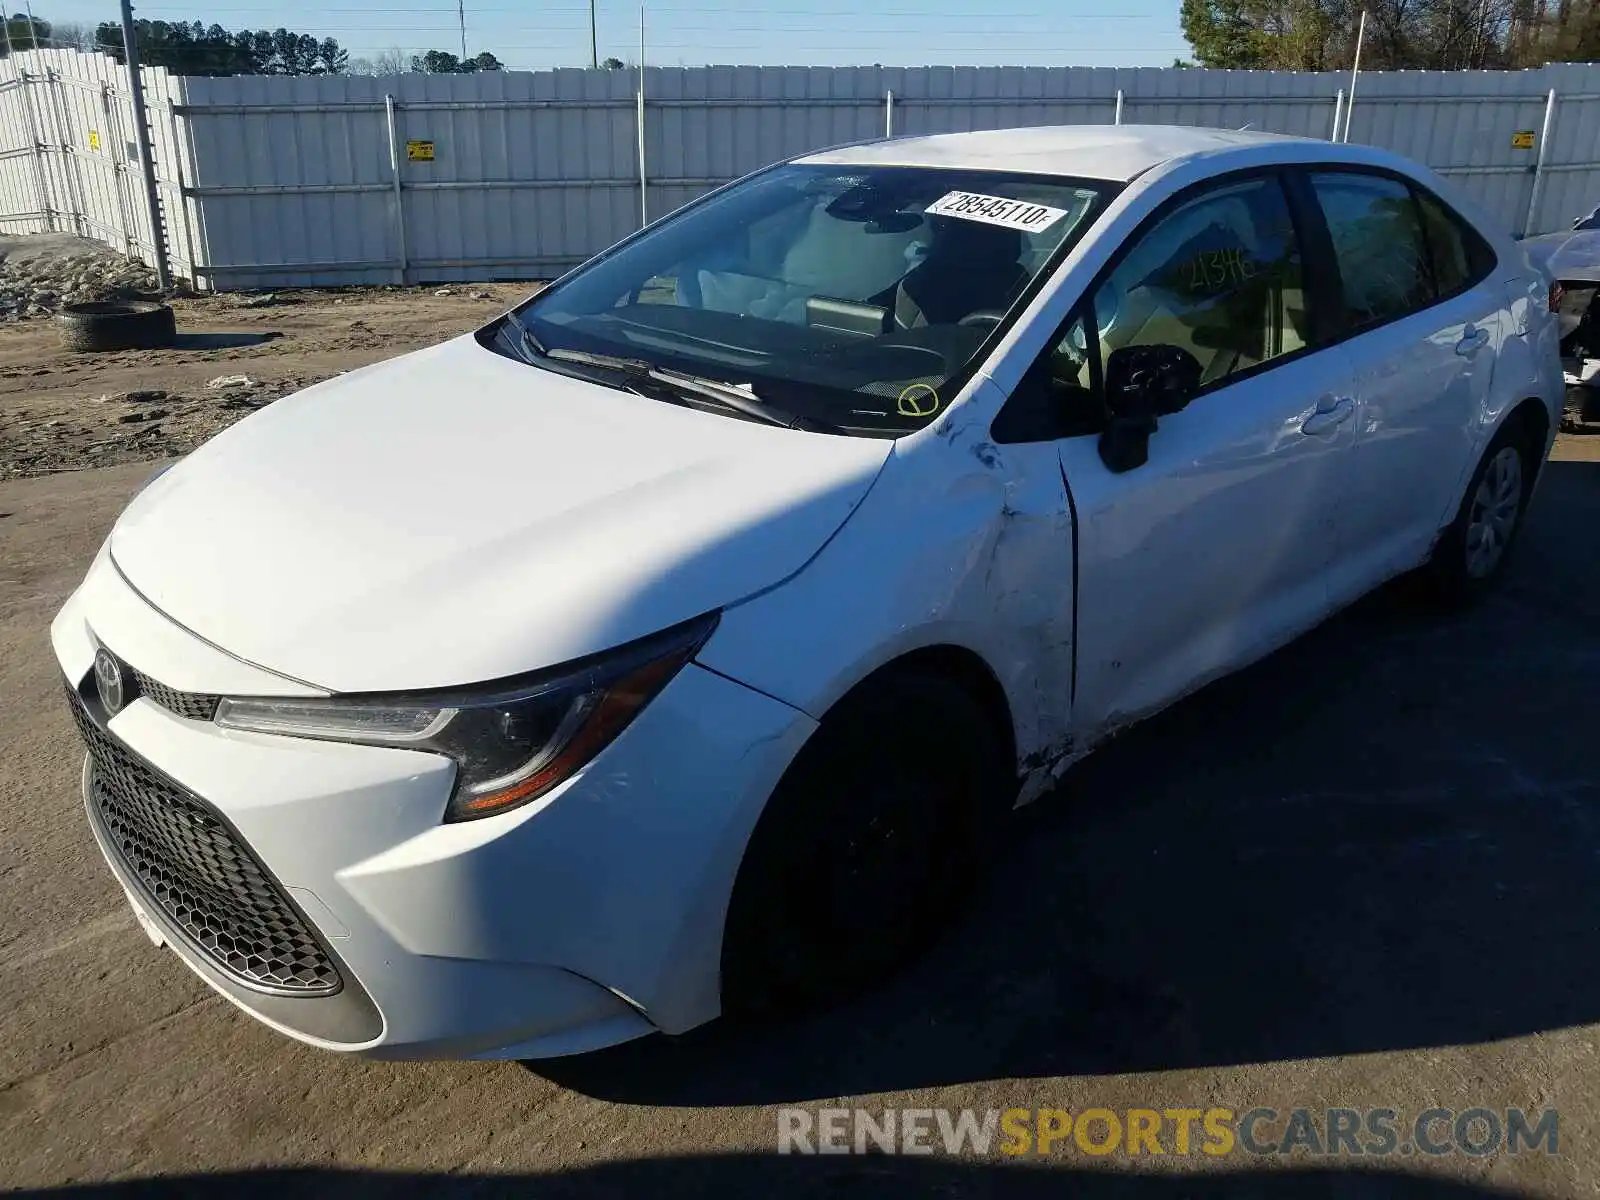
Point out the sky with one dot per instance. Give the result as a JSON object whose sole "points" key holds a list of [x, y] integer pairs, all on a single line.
{"points": [[696, 32]]}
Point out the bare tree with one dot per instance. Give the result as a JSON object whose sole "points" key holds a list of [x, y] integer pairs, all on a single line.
{"points": [[71, 35], [1438, 35], [393, 61]]}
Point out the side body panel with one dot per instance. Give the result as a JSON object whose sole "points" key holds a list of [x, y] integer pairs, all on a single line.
{"points": [[1217, 549], [958, 542], [1423, 383]]}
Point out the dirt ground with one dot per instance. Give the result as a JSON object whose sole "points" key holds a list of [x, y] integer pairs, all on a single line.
{"points": [[65, 411], [1361, 874]]}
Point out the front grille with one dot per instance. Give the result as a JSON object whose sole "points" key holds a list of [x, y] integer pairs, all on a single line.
{"points": [[197, 706], [194, 868]]}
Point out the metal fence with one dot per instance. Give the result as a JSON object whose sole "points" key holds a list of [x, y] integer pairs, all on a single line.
{"points": [[69, 159], [271, 182]]}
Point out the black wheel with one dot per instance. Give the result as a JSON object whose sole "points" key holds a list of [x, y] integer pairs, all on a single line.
{"points": [[1472, 554], [117, 325], [868, 845]]}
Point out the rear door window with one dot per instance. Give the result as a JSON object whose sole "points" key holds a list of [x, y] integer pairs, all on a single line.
{"points": [[1378, 244]]}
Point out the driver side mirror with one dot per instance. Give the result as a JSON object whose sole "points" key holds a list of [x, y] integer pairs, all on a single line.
{"points": [[1143, 383]]}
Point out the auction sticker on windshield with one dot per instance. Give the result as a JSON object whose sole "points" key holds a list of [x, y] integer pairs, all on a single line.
{"points": [[996, 210]]}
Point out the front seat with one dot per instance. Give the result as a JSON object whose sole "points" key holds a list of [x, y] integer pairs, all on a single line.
{"points": [[970, 267]]}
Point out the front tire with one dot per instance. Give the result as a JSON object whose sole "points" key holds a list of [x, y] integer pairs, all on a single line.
{"points": [[1473, 553], [867, 847]]}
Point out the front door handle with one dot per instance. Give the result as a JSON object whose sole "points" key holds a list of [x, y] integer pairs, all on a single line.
{"points": [[1472, 341], [1332, 412]]}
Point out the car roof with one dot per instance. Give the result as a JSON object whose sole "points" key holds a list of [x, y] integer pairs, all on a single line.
{"points": [[1111, 152]]}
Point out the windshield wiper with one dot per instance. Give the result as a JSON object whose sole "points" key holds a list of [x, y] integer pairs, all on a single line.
{"points": [[637, 371], [527, 345]]}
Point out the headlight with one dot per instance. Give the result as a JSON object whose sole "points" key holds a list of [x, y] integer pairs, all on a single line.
{"points": [[511, 741]]}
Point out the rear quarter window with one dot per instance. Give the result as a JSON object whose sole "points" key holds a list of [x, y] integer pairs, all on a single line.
{"points": [[1461, 258]]}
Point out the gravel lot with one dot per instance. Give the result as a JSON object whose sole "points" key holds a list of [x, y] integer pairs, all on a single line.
{"points": [[65, 411], [40, 272], [1362, 874]]}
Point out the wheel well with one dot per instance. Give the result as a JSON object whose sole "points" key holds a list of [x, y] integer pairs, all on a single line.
{"points": [[966, 669], [1534, 418]]}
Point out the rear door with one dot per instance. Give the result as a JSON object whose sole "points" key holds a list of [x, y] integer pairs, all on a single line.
{"points": [[1422, 317]]}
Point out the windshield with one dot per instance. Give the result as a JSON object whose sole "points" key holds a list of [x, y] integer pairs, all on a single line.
{"points": [[857, 297]]}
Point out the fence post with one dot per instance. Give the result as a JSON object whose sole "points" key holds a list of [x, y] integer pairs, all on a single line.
{"points": [[35, 147], [72, 164], [399, 194], [888, 114], [118, 151], [1538, 163], [183, 193], [1338, 115], [1117, 120], [1355, 73], [141, 137], [644, 181]]}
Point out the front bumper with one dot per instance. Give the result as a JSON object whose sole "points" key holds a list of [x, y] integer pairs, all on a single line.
{"points": [[589, 917]]}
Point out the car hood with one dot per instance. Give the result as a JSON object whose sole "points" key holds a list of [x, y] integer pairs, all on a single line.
{"points": [[454, 516], [1571, 257]]}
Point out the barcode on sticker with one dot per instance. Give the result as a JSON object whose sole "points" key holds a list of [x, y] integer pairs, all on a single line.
{"points": [[996, 210]]}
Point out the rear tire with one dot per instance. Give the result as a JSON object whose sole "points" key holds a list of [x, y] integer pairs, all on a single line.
{"points": [[1472, 554], [868, 845]]}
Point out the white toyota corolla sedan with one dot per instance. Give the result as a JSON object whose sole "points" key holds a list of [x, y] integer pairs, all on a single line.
{"points": [[670, 645]]}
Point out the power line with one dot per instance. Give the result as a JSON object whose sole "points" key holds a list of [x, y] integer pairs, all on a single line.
{"points": [[855, 43], [723, 34], [723, 56], [954, 37], [1031, 35], [987, 17]]}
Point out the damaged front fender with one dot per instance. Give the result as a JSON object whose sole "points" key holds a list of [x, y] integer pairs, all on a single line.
{"points": [[962, 543]]}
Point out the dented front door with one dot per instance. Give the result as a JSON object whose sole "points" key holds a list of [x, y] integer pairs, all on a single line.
{"points": [[1214, 551]]}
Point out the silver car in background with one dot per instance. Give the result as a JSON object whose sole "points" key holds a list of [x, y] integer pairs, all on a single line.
{"points": [[1571, 259]]}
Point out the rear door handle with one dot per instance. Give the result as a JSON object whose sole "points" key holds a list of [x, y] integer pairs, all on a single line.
{"points": [[1472, 341], [1332, 412]]}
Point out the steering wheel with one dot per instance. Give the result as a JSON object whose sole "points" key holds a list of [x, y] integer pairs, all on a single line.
{"points": [[984, 316]]}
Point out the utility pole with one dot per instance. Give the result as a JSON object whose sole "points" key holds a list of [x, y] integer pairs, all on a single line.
{"points": [[594, 41], [461, 16], [147, 163], [644, 178], [1355, 71]]}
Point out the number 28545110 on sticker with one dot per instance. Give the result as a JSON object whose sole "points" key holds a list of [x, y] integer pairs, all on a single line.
{"points": [[996, 210]]}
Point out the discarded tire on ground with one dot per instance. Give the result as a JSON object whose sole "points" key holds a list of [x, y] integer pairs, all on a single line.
{"points": [[117, 325]]}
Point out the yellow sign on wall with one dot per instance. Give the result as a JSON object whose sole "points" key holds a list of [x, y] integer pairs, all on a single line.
{"points": [[1522, 139], [94, 139], [419, 151]]}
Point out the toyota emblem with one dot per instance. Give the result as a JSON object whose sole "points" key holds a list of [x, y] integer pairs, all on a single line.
{"points": [[108, 681]]}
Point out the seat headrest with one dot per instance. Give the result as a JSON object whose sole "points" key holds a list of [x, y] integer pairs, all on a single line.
{"points": [[952, 237]]}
